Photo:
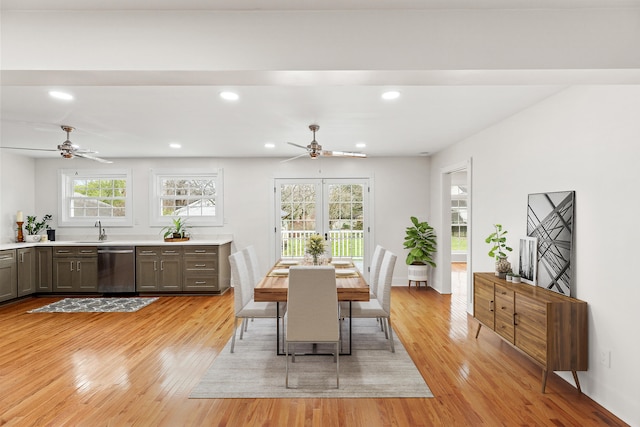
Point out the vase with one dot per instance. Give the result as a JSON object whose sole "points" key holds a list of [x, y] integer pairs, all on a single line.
{"points": [[32, 238], [315, 259], [503, 266]]}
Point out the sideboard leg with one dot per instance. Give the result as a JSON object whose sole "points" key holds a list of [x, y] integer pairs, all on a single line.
{"points": [[478, 331], [544, 379], [575, 378]]}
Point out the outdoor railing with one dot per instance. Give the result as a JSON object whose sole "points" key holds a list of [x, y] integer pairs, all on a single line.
{"points": [[344, 243]]}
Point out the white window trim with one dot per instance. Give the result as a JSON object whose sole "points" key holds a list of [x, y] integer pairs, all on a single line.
{"points": [[155, 190], [64, 186]]}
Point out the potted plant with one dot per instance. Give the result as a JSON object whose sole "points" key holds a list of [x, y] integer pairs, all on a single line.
{"points": [[420, 239], [515, 278], [315, 247], [176, 231], [34, 227], [499, 250]]}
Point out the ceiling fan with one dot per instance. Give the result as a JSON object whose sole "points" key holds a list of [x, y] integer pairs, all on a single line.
{"points": [[315, 150], [67, 149]]}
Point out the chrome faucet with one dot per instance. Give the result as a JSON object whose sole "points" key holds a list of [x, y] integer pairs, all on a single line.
{"points": [[102, 232]]}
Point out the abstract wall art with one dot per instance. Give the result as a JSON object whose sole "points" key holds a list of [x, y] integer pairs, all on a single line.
{"points": [[550, 219]]}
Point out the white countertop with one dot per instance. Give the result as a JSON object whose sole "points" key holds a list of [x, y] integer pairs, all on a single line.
{"points": [[137, 242]]}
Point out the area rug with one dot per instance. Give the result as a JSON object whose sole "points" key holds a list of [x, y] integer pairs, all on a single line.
{"points": [[95, 305], [255, 371]]}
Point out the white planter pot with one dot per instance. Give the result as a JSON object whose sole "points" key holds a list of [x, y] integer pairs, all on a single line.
{"points": [[32, 238], [418, 273]]}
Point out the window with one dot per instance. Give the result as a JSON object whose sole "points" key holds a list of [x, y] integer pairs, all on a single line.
{"points": [[194, 194], [91, 195], [458, 218]]}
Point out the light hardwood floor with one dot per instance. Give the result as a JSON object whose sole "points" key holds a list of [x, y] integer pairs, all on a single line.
{"points": [[120, 369]]}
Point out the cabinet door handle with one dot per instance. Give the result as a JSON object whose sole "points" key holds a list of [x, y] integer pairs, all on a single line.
{"points": [[169, 252], [155, 265], [86, 251], [147, 252], [70, 265], [201, 282], [491, 306], [61, 251], [515, 319], [78, 266], [22, 257], [200, 265], [200, 251], [161, 265]]}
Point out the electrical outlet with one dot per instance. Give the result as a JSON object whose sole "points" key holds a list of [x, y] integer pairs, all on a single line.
{"points": [[605, 358]]}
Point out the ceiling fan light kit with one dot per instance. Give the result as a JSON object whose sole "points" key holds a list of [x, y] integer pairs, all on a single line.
{"points": [[314, 149]]}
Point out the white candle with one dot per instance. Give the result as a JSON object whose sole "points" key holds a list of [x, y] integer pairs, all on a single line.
{"points": [[19, 217]]}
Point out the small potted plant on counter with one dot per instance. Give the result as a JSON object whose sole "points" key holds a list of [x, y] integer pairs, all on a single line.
{"points": [[177, 231], [34, 227]]}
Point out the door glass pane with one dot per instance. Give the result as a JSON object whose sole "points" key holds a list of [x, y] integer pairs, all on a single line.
{"points": [[346, 221], [297, 217]]}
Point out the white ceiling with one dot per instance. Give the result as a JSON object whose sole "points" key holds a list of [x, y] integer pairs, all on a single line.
{"points": [[140, 114]]}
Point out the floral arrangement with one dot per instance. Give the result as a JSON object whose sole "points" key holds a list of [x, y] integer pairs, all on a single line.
{"points": [[315, 246]]}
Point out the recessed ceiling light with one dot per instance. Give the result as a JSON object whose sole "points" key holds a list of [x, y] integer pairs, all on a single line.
{"points": [[361, 145], [392, 94], [175, 145], [60, 95], [270, 145], [229, 96]]}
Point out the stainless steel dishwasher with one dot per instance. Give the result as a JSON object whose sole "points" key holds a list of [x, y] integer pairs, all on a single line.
{"points": [[116, 269]]}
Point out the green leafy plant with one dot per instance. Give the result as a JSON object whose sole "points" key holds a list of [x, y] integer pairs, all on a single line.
{"points": [[420, 238], [177, 229], [498, 243], [34, 226], [315, 245]]}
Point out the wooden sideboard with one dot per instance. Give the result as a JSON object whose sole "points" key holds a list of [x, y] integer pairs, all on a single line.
{"points": [[548, 327]]}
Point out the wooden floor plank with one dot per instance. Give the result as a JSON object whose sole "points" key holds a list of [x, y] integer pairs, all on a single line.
{"points": [[115, 369]]}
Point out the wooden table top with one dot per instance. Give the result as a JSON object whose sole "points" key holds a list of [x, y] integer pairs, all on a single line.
{"points": [[274, 287]]}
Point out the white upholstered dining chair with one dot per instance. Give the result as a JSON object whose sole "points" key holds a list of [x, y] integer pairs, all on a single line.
{"points": [[312, 311], [253, 265], [374, 269], [380, 306], [244, 305]]}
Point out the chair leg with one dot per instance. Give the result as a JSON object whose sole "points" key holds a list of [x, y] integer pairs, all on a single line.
{"points": [[244, 320], [338, 364], [384, 328], [233, 338], [286, 369], [393, 349]]}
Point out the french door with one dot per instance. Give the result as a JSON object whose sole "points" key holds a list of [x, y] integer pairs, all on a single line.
{"points": [[337, 209]]}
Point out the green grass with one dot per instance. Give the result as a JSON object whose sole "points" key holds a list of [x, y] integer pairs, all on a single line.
{"points": [[458, 244]]}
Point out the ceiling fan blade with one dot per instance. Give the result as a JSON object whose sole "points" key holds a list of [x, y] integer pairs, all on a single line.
{"points": [[293, 158], [90, 157], [33, 149], [343, 154], [299, 146]]}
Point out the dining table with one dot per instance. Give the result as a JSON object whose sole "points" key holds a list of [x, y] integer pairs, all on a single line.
{"points": [[274, 287]]}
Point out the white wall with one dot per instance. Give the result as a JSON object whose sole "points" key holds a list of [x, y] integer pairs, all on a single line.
{"points": [[16, 192], [248, 194], [583, 139]]}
